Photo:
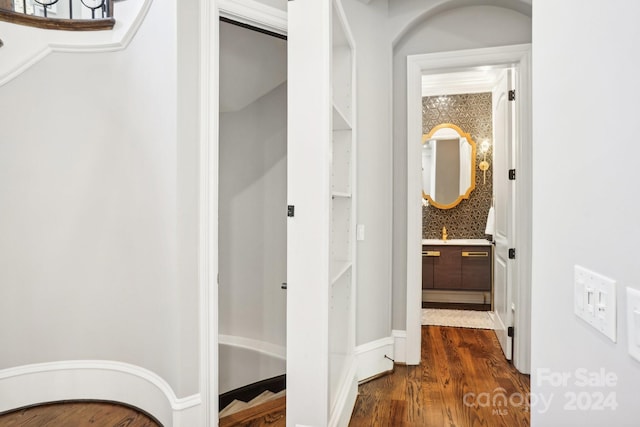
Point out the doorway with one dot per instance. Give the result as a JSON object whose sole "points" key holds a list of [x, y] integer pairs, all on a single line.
{"points": [[252, 230], [449, 65]]}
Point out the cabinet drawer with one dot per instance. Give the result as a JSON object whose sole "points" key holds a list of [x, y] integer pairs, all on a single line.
{"points": [[476, 267]]}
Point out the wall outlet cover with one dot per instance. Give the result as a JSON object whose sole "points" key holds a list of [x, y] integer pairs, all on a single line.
{"points": [[595, 300], [633, 322]]}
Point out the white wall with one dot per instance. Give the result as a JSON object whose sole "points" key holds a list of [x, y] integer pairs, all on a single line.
{"points": [[585, 206], [253, 228], [98, 208], [374, 174], [455, 29]]}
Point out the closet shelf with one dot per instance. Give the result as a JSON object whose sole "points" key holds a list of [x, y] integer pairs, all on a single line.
{"points": [[340, 120], [338, 269], [340, 195]]}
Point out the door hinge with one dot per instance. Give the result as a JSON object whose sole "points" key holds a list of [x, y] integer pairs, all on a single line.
{"points": [[291, 209], [510, 331], [512, 253], [512, 174], [512, 95]]}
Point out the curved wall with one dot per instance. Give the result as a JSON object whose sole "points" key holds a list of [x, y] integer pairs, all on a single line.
{"points": [[241, 364], [456, 29], [98, 181]]}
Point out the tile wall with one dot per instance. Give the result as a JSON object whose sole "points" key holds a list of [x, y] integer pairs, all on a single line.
{"points": [[472, 113]]}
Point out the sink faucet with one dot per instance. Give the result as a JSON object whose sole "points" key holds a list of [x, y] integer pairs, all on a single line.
{"points": [[444, 233]]}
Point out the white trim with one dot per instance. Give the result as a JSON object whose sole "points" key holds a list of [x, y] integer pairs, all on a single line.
{"points": [[345, 398], [25, 47], [208, 211], [465, 297], [370, 357], [254, 13], [475, 81], [263, 347], [518, 56], [399, 345], [524, 209], [93, 379]]}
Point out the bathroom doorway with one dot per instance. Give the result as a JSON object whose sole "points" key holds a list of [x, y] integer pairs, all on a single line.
{"points": [[252, 228], [488, 72]]}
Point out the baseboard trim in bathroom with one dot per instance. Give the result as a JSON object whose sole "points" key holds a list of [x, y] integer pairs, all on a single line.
{"points": [[457, 318], [457, 306]]}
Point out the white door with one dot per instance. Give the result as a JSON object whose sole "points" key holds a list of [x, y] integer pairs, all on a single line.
{"points": [[504, 192]]}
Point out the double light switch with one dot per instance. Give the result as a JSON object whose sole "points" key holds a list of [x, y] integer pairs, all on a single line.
{"points": [[595, 300]]}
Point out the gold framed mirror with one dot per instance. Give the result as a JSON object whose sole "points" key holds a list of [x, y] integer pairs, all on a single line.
{"points": [[448, 166]]}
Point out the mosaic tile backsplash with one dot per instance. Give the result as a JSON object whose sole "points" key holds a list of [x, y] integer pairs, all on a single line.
{"points": [[472, 113]]}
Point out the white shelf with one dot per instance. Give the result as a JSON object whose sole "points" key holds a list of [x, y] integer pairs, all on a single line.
{"points": [[338, 269], [340, 120], [340, 194]]}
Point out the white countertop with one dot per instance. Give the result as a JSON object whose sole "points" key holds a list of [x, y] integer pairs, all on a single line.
{"points": [[459, 242]]}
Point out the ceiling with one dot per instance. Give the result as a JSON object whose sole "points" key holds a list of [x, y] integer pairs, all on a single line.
{"points": [[252, 64]]}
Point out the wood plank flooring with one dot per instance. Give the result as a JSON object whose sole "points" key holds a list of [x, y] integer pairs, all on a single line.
{"points": [[463, 381], [77, 414], [460, 383]]}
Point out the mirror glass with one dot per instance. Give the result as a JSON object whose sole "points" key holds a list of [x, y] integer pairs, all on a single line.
{"points": [[448, 166]]}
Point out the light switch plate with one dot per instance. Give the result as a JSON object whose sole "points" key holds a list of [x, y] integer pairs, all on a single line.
{"points": [[633, 322], [360, 232], [595, 300]]}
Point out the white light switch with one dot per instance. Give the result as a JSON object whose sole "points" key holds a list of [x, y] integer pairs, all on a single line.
{"points": [[359, 232], [633, 322], [595, 300]]}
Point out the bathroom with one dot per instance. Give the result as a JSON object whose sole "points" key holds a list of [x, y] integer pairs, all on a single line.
{"points": [[471, 126]]}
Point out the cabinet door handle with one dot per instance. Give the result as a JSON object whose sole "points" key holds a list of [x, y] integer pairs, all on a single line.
{"points": [[475, 254], [431, 253]]}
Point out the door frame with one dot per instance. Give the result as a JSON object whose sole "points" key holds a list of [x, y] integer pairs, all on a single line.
{"points": [[519, 57], [270, 19]]}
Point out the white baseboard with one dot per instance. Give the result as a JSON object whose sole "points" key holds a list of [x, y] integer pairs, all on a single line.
{"points": [[267, 348], [371, 360], [399, 345], [100, 380], [346, 398], [463, 297]]}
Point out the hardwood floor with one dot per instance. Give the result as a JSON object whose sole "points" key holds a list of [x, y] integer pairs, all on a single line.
{"points": [[463, 381], [77, 414]]}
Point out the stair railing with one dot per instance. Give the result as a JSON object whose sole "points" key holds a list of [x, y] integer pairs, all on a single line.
{"points": [[79, 15]]}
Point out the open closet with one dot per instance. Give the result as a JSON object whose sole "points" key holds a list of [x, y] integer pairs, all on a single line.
{"points": [[252, 223]]}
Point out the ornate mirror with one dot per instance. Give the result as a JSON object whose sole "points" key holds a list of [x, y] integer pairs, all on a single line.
{"points": [[448, 166]]}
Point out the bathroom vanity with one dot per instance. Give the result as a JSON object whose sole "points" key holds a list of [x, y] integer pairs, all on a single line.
{"points": [[457, 265]]}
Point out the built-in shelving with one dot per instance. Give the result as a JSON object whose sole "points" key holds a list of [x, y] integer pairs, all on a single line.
{"points": [[343, 271], [321, 267], [339, 269], [335, 194], [340, 119]]}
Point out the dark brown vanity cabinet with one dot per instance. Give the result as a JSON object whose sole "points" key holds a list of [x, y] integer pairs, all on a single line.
{"points": [[447, 267]]}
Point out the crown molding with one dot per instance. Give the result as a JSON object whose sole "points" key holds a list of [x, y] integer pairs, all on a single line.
{"points": [[255, 14]]}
